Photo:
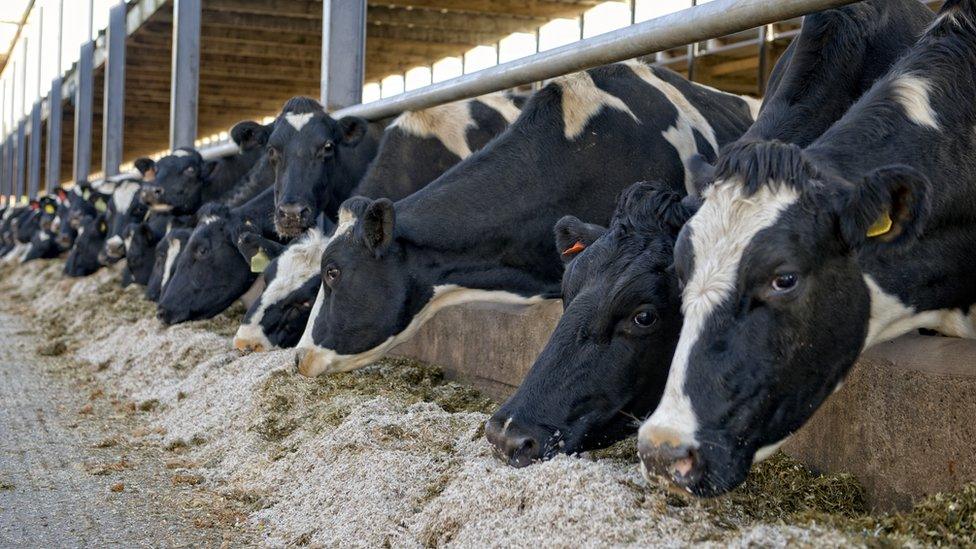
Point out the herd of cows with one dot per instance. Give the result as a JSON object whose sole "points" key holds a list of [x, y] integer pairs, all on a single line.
{"points": [[722, 263]]}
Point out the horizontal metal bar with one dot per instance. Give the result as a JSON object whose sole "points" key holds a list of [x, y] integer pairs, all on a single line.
{"points": [[711, 20]]}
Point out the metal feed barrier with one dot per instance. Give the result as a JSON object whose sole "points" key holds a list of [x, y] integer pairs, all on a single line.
{"points": [[343, 60]]}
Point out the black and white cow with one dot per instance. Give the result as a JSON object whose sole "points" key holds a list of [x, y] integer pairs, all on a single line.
{"points": [[43, 243], [482, 231], [212, 272], [184, 181], [317, 161], [141, 240], [799, 259], [124, 208], [619, 287], [415, 149], [167, 251], [83, 257]]}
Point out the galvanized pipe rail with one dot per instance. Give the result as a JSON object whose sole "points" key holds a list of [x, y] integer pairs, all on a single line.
{"points": [[711, 20], [695, 24]]}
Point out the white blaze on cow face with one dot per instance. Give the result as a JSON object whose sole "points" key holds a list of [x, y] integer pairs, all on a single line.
{"points": [[180, 153], [912, 93], [115, 242], [582, 100], [681, 135], [171, 254], [295, 266], [298, 121], [124, 195], [447, 123], [719, 234], [314, 360]]}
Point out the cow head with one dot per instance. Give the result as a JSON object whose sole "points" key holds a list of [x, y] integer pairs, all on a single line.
{"points": [[776, 307], [83, 258], [308, 152], [353, 324], [167, 252], [606, 363], [211, 272], [179, 182], [124, 208], [280, 314]]}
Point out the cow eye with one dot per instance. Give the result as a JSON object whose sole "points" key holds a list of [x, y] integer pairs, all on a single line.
{"points": [[190, 171], [203, 251], [785, 282], [331, 274], [327, 149], [273, 155], [645, 319]]}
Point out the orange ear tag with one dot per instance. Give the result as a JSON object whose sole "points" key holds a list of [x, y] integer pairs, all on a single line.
{"points": [[574, 249]]}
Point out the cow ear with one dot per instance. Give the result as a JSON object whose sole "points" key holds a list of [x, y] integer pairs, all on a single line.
{"points": [[889, 207], [146, 166], [573, 236], [702, 173], [249, 135], [377, 222], [353, 130]]}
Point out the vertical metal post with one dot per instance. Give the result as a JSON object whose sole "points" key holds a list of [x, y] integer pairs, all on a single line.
{"points": [[763, 74], [22, 127], [633, 11], [3, 142], [692, 53], [343, 52], [184, 88], [21, 159], [52, 162], [113, 117], [34, 152], [84, 99]]}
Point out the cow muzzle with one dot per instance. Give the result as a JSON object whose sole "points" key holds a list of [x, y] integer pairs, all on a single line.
{"points": [[670, 454], [250, 339], [292, 219], [516, 444]]}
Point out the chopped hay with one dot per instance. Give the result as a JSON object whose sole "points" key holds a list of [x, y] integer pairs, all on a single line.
{"points": [[395, 455]]}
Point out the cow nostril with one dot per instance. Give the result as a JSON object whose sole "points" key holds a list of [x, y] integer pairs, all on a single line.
{"points": [[525, 451], [680, 463]]}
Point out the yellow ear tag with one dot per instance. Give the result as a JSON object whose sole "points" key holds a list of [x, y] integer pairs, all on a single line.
{"points": [[259, 262], [85, 194], [881, 226], [49, 209], [100, 205], [103, 228]]}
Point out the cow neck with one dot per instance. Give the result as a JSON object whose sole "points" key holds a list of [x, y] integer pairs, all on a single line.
{"points": [[841, 53], [345, 175], [926, 274], [467, 228]]}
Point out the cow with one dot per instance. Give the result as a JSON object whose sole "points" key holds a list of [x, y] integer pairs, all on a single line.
{"points": [[480, 232], [43, 244], [124, 208], [141, 240], [184, 181], [585, 393], [83, 257], [212, 271], [167, 251], [415, 149], [317, 161], [799, 259]]}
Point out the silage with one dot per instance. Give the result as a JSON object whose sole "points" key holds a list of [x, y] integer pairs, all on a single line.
{"points": [[395, 455]]}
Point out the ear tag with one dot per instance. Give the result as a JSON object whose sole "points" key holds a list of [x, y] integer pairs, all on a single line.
{"points": [[85, 194], [49, 209], [100, 205], [103, 228], [260, 261], [574, 249], [881, 226]]}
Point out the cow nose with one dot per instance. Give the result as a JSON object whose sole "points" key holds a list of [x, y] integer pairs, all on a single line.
{"points": [[671, 454], [293, 211], [514, 443], [170, 317], [151, 194]]}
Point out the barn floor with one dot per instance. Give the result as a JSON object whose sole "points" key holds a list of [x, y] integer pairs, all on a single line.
{"points": [[209, 446]]}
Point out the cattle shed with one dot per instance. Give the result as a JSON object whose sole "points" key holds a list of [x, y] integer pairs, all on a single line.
{"points": [[182, 72]]}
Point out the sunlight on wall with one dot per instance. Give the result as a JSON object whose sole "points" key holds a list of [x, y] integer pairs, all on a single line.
{"points": [[516, 45], [605, 18], [392, 85], [558, 32], [417, 77], [479, 58], [447, 68]]}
